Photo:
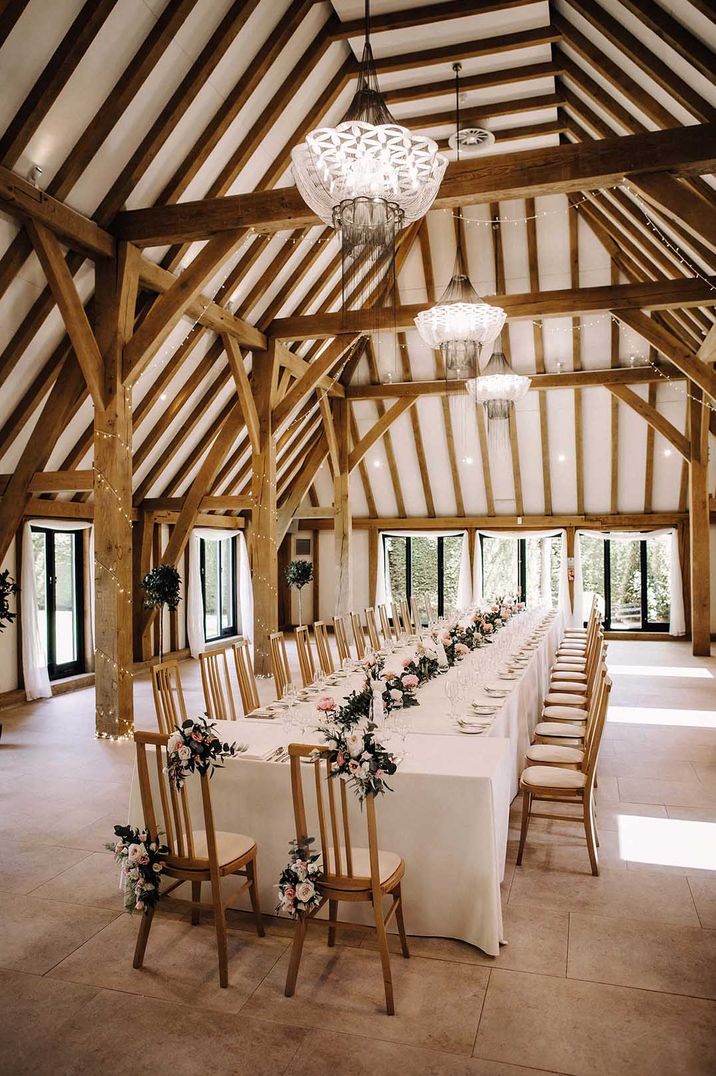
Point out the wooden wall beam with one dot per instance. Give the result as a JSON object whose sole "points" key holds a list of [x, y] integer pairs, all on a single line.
{"points": [[264, 522], [699, 538], [342, 524], [377, 430], [655, 419]]}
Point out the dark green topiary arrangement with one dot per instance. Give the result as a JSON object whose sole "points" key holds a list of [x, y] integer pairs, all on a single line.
{"points": [[161, 587], [298, 573]]}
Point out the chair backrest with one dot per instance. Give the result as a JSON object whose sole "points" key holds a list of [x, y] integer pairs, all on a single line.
{"points": [[385, 623], [429, 610], [358, 635], [168, 696], [245, 676], [372, 626], [166, 811], [216, 682], [305, 656], [323, 646], [334, 838], [397, 620], [279, 662], [339, 628], [415, 613], [593, 739], [407, 615]]}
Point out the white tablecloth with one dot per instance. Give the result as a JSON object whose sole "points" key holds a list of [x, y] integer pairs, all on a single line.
{"points": [[447, 815]]}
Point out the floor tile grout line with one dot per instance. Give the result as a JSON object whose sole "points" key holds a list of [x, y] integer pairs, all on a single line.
{"points": [[482, 1009]]}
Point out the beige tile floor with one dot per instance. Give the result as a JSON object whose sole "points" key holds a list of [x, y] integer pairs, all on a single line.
{"points": [[601, 976]]}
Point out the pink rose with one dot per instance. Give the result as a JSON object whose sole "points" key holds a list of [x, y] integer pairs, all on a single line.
{"points": [[388, 674], [410, 681], [505, 615], [139, 905], [340, 758], [445, 636], [488, 628], [460, 648], [379, 773], [493, 608], [326, 703], [407, 662], [289, 893]]}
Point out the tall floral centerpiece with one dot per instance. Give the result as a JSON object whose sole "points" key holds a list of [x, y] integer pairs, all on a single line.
{"points": [[298, 574], [161, 587]]}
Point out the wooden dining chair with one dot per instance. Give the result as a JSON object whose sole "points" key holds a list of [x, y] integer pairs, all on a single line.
{"points": [[406, 612], [385, 627], [245, 676], [168, 696], [358, 636], [279, 663], [323, 648], [339, 629], [350, 873], [195, 855], [398, 627], [216, 683], [429, 612], [565, 728], [372, 626], [305, 656], [415, 614], [556, 784]]}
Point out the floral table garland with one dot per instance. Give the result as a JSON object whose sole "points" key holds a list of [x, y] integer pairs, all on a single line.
{"points": [[349, 730]]}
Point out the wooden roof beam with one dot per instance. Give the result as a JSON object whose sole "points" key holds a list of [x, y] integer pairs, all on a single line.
{"points": [[567, 168], [557, 302], [655, 419]]}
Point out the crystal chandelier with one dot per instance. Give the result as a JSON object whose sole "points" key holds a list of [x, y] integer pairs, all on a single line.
{"points": [[367, 177], [461, 323], [498, 388]]}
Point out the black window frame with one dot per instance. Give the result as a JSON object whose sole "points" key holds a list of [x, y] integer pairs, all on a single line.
{"points": [[230, 629], [78, 666], [521, 584], [407, 538], [646, 624]]}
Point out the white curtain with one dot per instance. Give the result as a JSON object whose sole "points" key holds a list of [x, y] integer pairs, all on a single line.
{"points": [[563, 603], [677, 618], [383, 591], [194, 603], [34, 652]]}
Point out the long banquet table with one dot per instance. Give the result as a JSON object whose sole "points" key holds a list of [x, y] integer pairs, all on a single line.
{"points": [[447, 814]]}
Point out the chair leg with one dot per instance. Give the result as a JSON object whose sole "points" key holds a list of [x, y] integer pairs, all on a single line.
{"points": [[384, 957], [254, 894], [221, 941], [296, 950], [398, 899], [526, 808], [195, 897], [594, 823], [591, 845], [332, 917], [142, 938]]}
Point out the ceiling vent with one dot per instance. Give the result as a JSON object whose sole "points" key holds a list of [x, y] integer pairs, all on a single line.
{"points": [[472, 140]]}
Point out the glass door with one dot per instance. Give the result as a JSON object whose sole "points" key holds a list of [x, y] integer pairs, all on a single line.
{"points": [[218, 583], [60, 605], [623, 585]]}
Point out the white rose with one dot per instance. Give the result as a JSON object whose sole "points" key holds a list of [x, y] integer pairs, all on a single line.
{"points": [[174, 741], [184, 752], [396, 695], [355, 744], [134, 852], [305, 891]]}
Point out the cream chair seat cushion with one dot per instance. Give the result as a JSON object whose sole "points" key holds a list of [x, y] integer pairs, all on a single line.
{"points": [[229, 846], [570, 687], [569, 674], [562, 698], [565, 713], [554, 752], [560, 730], [552, 777], [388, 863]]}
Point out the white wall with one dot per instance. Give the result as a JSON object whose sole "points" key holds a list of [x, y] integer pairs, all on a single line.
{"points": [[8, 638]]}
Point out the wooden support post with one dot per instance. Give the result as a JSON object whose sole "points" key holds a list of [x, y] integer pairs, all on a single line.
{"points": [[342, 509], [372, 565], [571, 537], [115, 299], [264, 524], [699, 526]]}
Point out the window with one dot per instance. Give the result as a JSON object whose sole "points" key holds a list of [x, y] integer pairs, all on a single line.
{"points": [[60, 599], [515, 566], [631, 578], [424, 565], [217, 564]]}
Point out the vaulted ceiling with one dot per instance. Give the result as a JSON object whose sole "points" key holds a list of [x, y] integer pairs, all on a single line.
{"points": [[125, 104]]}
